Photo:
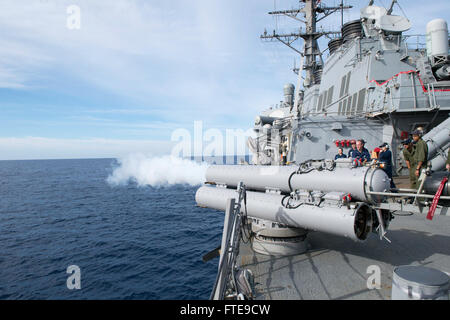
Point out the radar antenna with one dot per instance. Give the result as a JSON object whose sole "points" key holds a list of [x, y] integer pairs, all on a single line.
{"points": [[313, 11]]}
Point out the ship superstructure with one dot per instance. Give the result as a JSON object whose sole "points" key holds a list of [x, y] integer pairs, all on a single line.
{"points": [[377, 83], [306, 219]]}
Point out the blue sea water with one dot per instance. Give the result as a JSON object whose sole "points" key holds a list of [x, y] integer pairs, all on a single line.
{"points": [[130, 242]]}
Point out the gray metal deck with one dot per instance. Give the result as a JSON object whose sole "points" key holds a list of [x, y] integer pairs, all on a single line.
{"points": [[335, 267]]}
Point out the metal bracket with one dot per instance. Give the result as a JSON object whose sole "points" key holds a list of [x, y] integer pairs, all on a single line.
{"points": [[381, 230]]}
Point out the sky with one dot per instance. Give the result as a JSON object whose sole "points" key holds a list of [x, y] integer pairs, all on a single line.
{"points": [[137, 70]]}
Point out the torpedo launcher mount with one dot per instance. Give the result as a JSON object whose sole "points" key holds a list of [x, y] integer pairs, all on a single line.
{"points": [[285, 202]]}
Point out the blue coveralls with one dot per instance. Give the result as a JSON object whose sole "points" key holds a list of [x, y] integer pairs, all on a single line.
{"points": [[350, 153], [386, 158], [363, 155], [338, 156]]}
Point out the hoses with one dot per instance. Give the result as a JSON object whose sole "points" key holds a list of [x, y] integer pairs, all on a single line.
{"points": [[303, 168], [246, 233]]}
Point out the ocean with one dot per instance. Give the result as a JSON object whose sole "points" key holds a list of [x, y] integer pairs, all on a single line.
{"points": [[130, 241]]}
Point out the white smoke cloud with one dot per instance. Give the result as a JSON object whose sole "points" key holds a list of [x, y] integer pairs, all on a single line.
{"points": [[157, 171]]}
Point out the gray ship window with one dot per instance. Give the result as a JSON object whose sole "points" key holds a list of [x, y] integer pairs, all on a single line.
{"points": [[346, 104], [344, 107], [319, 104], [343, 82], [330, 96], [354, 100], [349, 105], [324, 101], [361, 99], [347, 83]]}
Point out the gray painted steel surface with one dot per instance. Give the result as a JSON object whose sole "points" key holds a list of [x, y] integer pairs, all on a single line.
{"points": [[348, 180], [336, 268], [438, 163], [335, 220], [438, 138]]}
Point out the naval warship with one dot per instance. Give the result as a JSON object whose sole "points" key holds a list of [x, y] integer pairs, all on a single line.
{"points": [[300, 224]]}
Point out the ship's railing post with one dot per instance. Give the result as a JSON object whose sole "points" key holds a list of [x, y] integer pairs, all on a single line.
{"points": [[229, 247], [222, 273]]}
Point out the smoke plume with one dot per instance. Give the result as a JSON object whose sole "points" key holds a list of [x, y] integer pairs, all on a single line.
{"points": [[157, 171]]}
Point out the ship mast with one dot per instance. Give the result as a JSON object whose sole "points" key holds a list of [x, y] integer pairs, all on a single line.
{"points": [[313, 12]]}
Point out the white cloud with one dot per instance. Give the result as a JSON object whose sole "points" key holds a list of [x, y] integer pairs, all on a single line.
{"points": [[193, 50], [182, 51]]}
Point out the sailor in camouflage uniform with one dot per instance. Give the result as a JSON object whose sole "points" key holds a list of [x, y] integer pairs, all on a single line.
{"points": [[420, 153], [408, 154]]}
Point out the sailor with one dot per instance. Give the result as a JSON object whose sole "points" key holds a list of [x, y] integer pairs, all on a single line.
{"points": [[385, 158], [363, 145], [420, 152], [340, 154], [361, 154], [408, 152], [353, 149], [447, 164]]}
